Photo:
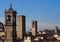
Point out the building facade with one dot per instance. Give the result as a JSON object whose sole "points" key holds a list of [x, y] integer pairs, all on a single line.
{"points": [[21, 28], [10, 25], [34, 28]]}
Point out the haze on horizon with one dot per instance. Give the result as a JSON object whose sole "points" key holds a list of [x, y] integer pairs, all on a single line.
{"points": [[46, 12]]}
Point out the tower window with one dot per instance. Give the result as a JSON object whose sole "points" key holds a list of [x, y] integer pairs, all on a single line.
{"points": [[33, 24]]}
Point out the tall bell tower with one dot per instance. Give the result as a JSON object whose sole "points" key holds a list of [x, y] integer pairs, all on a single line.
{"points": [[10, 25], [34, 28]]}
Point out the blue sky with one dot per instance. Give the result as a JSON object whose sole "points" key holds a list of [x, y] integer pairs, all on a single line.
{"points": [[44, 11]]}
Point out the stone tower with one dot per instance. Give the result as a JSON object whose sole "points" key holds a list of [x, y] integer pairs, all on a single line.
{"points": [[21, 27], [10, 25], [34, 28], [56, 29]]}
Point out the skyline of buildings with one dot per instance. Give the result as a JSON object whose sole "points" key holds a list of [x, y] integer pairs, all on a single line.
{"points": [[30, 21], [14, 30], [46, 12], [40, 24]]}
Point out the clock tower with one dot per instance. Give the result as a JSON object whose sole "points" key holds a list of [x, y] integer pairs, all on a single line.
{"points": [[10, 25]]}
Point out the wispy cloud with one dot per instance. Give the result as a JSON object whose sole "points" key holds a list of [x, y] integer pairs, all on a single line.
{"points": [[42, 26]]}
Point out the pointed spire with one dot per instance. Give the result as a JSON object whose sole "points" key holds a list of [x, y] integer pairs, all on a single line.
{"points": [[10, 5]]}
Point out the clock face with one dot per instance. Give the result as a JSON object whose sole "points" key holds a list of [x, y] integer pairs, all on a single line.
{"points": [[9, 18]]}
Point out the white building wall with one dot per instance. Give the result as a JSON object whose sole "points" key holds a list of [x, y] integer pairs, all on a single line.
{"points": [[27, 39]]}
